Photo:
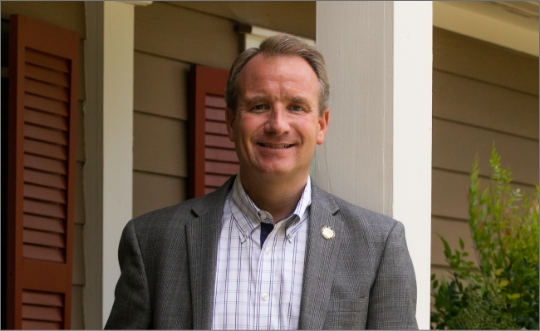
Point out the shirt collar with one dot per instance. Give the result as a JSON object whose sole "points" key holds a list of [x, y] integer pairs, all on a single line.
{"points": [[253, 215]]}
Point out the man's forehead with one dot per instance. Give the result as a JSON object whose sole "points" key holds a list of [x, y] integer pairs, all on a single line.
{"points": [[275, 58]]}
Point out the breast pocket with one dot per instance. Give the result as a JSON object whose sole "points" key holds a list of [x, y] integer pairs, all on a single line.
{"points": [[347, 315]]}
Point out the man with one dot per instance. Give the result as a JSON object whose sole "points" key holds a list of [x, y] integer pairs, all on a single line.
{"points": [[269, 249]]}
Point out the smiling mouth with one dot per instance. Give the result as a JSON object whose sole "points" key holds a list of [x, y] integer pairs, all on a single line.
{"points": [[276, 146]]}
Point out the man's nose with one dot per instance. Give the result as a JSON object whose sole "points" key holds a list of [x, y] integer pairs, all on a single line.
{"points": [[278, 121]]}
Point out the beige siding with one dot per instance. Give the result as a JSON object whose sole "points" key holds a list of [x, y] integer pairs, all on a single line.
{"points": [[78, 276], [82, 80], [77, 312], [79, 196], [482, 93], [69, 15], [168, 39], [154, 191], [464, 100], [80, 157], [458, 144], [160, 86], [185, 35], [476, 59], [160, 145]]}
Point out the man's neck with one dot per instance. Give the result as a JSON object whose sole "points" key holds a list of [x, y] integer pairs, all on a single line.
{"points": [[278, 197]]}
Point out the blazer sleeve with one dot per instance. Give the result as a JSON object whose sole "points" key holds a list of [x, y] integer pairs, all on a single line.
{"points": [[131, 308], [392, 303]]}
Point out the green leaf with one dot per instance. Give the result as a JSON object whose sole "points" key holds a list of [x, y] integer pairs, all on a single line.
{"points": [[447, 251], [513, 296], [461, 244]]}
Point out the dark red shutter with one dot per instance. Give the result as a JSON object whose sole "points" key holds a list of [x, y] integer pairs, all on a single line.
{"points": [[212, 158], [43, 82]]}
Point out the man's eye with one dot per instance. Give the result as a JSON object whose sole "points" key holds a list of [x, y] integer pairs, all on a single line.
{"points": [[259, 107], [295, 108]]}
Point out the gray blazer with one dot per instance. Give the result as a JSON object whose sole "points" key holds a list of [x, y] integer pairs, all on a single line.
{"points": [[363, 278]]}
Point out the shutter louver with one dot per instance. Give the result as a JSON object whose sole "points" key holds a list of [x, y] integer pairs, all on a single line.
{"points": [[42, 310], [43, 73], [212, 156]]}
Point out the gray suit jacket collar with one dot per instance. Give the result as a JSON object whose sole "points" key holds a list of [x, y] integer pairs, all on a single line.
{"points": [[321, 255]]}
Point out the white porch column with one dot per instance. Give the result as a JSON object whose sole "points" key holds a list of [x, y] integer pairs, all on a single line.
{"points": [[378, 149], [108, 171]]}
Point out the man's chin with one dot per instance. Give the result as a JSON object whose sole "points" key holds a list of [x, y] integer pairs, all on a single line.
{"points": [[280, 173]]}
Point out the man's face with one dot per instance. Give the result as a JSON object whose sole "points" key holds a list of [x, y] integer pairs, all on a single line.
{"points": [[277, 124]]}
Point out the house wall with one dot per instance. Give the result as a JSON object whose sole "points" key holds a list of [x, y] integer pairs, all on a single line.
{"points": [[482, 94], [168, 39], [69, 15]]}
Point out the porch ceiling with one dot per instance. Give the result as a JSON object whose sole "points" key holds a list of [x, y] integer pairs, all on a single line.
{"points": [[520, 13], [512, 25]]}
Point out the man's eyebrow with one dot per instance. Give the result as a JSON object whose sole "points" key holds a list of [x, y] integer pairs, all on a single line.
{"points": [[297, 99], [255, 99], [261, 98]]}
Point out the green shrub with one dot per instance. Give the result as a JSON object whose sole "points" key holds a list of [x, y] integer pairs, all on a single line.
{"points": [[502, 292]]}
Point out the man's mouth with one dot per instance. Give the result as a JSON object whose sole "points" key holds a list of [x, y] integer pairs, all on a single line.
{"points": [[276, 146]]}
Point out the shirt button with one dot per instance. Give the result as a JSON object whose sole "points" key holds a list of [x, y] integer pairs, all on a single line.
{"points": [[263, 216], [267, 250], [264, 296]]}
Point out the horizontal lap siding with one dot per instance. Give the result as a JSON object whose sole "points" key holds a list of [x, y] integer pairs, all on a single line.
{"points": [[482, 94], [186, 35], [160, 144], [450, 190], [152, 191], [162, 62], [458, 145], [480, 104]]}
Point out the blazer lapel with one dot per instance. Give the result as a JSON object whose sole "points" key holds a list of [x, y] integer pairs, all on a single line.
{"points": [[203, 238], [321, 256]]}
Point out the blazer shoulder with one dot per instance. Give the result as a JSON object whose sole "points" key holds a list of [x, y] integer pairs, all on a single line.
{"points": [[164, 216], [179, 214]]}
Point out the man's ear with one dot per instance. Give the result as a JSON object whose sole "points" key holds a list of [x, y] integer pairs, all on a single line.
{"points": [[324, 119], [229, 120]]}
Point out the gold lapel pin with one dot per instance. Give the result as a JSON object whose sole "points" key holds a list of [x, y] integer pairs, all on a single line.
{"points": [[327, 233]]}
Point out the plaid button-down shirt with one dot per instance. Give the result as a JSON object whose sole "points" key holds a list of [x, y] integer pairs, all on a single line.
{"points": [[259, 287]]}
